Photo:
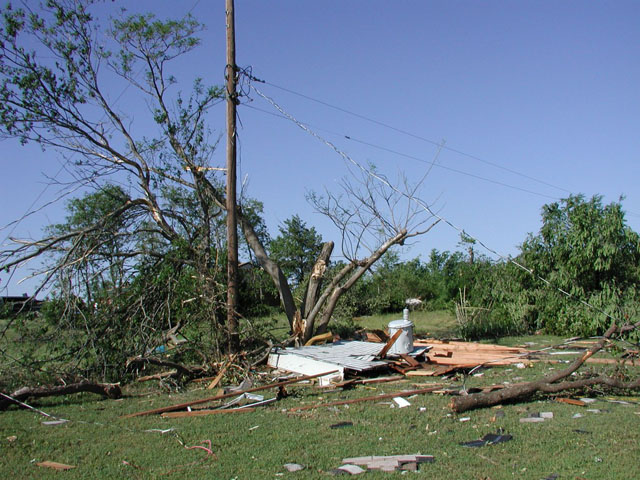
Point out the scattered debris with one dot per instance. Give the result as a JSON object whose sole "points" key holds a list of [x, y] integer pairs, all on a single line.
{"points": [[293, 467], [181, 406], [181, 371], [341, 425], [200, 413], [587, 400], [390, 343], [532, 420], [55, 465], [537, 417], [214, 383], [158, 430], [348, 469], [318, 339], [390, 463], [401, 402], [488, 439], [54, 422], [497, 415], [12, 438], [366, 399]]}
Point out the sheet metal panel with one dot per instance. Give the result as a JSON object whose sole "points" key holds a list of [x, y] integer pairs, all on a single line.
{"points": [[352, 355]]}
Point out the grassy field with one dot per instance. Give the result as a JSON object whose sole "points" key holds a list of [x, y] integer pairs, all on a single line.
{"points": [[603, 443], [435, 324]]}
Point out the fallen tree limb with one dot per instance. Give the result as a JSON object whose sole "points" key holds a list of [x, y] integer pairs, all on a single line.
{"points": [[180, 370], [550, 383], [109, 390], [157, 376]]}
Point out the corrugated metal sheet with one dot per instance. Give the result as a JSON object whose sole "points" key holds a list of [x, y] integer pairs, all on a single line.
{"points": [[354, 355]]}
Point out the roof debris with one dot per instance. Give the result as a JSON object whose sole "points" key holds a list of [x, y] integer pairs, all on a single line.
{"points": [[389, 463]]}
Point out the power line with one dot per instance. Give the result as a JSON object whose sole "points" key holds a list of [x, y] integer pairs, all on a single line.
{"points": [[418, 159], [418, 137]]}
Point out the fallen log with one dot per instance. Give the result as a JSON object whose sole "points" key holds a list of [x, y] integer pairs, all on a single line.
{"points": [[549, 384], [109, 390]]}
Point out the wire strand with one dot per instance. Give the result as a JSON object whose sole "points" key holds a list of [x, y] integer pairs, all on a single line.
{"points": [[417, 137]]}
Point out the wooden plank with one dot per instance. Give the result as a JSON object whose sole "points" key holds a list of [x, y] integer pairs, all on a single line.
{"points": [[199, 413], [571, 401], [55, 465], [434, 370], [366, 399], [410, 360], [157, 376], [367, 381], [214, 383], [323, 337], [389, 344], [172, 408]]}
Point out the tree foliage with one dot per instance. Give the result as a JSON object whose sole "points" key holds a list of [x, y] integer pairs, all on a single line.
{"points": [[296, 249], [573, 277], [586, 249]]}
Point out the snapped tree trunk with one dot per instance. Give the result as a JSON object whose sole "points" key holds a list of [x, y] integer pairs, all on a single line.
{"points": [[313, 289]]}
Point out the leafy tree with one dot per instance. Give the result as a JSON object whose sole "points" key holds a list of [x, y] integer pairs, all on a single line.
{"points": [[296, 249], [586, 249], [103, 224]]}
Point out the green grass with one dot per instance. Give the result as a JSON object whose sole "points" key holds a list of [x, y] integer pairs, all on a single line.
{"points": [[257, 444], [440, 323]]}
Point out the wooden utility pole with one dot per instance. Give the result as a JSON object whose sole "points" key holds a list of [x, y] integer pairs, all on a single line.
{"points": [[232, 228]]}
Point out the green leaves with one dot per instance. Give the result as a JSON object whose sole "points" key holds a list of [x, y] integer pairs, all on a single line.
{"points": [[296, 249], [586, 249]]}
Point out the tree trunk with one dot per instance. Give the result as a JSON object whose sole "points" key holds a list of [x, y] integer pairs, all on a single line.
{"points": [[271, 267]]}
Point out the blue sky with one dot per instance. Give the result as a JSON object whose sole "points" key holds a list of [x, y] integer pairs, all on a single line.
{"points": [[545, 89]]}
